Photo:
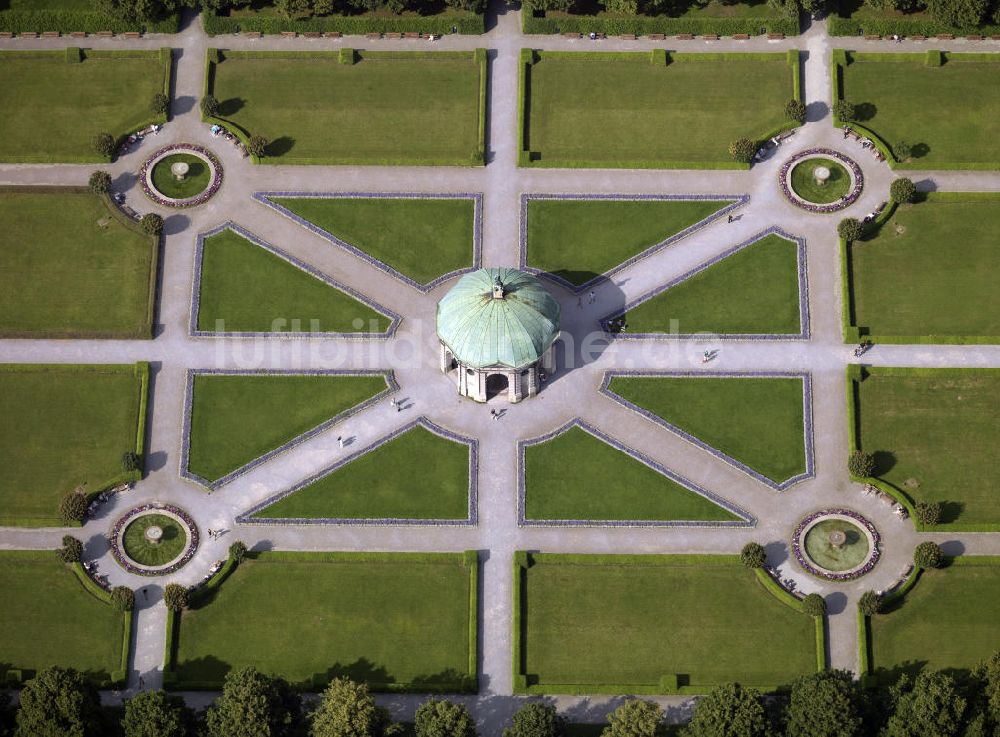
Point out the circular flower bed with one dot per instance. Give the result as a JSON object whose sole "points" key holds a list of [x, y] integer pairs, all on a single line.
{"points": [[203, 179], [856, 550], [136, 553], [800, 188]]}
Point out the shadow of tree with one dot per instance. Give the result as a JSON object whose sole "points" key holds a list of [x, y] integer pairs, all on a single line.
{"points": [[864, 111], [231, 106], [884, 462], [279, 146]]}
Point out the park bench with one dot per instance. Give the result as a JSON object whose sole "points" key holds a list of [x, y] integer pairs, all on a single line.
{"points": [[741, 37], [775, 36], [974, 38], [394, 35], [685, 37], [78, 34], [710, 37], [995, 38], [570, 34], [872, 37], [131, 34], [656, 37], [918, 38], [627, 37], [252, 34], [311, 34], [6, 34], [289, 34], [27, 34], [104, 34], [411, 34], [51, 34], [333, 34], [945, 37], [374, 36]]}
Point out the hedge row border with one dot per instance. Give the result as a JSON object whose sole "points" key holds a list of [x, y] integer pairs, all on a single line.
{"points": [[467, 24], [70, 21], [746, 519], [472, 517], [803, 279], [120, 676], [807, 415], [735, 200], [268, 199], [199, 252], [391, 386], [645, 25]]}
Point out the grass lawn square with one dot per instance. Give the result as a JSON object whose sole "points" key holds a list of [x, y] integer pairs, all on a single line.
{"points": [[948, 620], [624, 622], [753, 291], [579, 240], [52, 110], [756, 421], [387, 108], [236, 418], [63, 426], [47, 618], [931, 270], [421, 238], [577, 476], [68, 269], [417, 475], [389, 619], [947, 114], [247, 288], [934, 434], [620, 110]]}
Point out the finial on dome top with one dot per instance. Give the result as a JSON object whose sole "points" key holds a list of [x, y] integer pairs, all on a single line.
{"points": [[498, 292]]}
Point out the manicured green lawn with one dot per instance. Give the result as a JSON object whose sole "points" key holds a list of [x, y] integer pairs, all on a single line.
{"points": [[421, 238], [931, 270], [388, 108], [629, 620], [580, 239], [583, 109], [808, 188], [948, 620], [67, 268], [52, 110], [237, 418], [934, 433], [379, 617], [418, 475], [578, 476], [755, 290], [148, 553], [47, 618], [196, 180], [63, 426], [246, 288], [756, 421], [896, 104]]}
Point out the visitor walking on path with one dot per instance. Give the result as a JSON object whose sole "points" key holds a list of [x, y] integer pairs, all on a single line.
{"points": [[593, 296]]}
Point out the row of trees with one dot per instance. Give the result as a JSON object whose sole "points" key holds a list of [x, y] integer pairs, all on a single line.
{"points": [[955, 13], [645, 7], [311, 8]]}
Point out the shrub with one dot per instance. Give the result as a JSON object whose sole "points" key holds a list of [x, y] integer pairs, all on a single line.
{"points": [[104, 144], [176, 597], [238, 550], [256, 145], [844, 111], [928, 555], [440, 718], [753, 555], [348, 710], [155, 714], [100, 182], [535, 719], [742, 150], [122, 598], [347, 56], [635, 718], [58, 701], [870, 604], [71, 550], [73, 507], [159, 104], [795, 110], [727, 711], [902, 151], [814, 605], [928, 513], [74, 54], [209, 106], [902, 190], [934, 57], [254, 704], [825, 704], [130, 459], [153, 224], [860, 463]]}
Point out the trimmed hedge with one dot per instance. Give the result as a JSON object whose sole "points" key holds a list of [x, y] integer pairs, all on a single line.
{"points": [[839, 26], [642, 25], [465, 23], [70, 21], [119, 676]]}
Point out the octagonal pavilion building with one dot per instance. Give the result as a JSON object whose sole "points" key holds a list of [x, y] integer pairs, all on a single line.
{"points": [[496, 327]]}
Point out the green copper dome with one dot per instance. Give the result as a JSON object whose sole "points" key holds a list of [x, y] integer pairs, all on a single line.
{"points": [[498, 317]]}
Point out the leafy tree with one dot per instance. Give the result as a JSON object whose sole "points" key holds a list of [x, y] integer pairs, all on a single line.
{"points": [[860, 463], [159, 104], [130, 459], [986, 678], [795, 110], [844, 111], [73, 506], [58, 703], [728, 710], [959, 13], [743, 150], [928, 513], [254, 705], [348, 710], [209, 106], [176, 597], [622, 7], [104, 144], [930, 706], [257, 145], [322, 7], [238, 550], [155, 714], [902, 190], [440, 718], [153, 224], [928, 555], [100, 182], [870, 604], [902, 150], [753, 555], [814, 6], [71, 550], [293, 8], [825, 704], [535, 719], [814, 605], [635, 718], [122, 598]]}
